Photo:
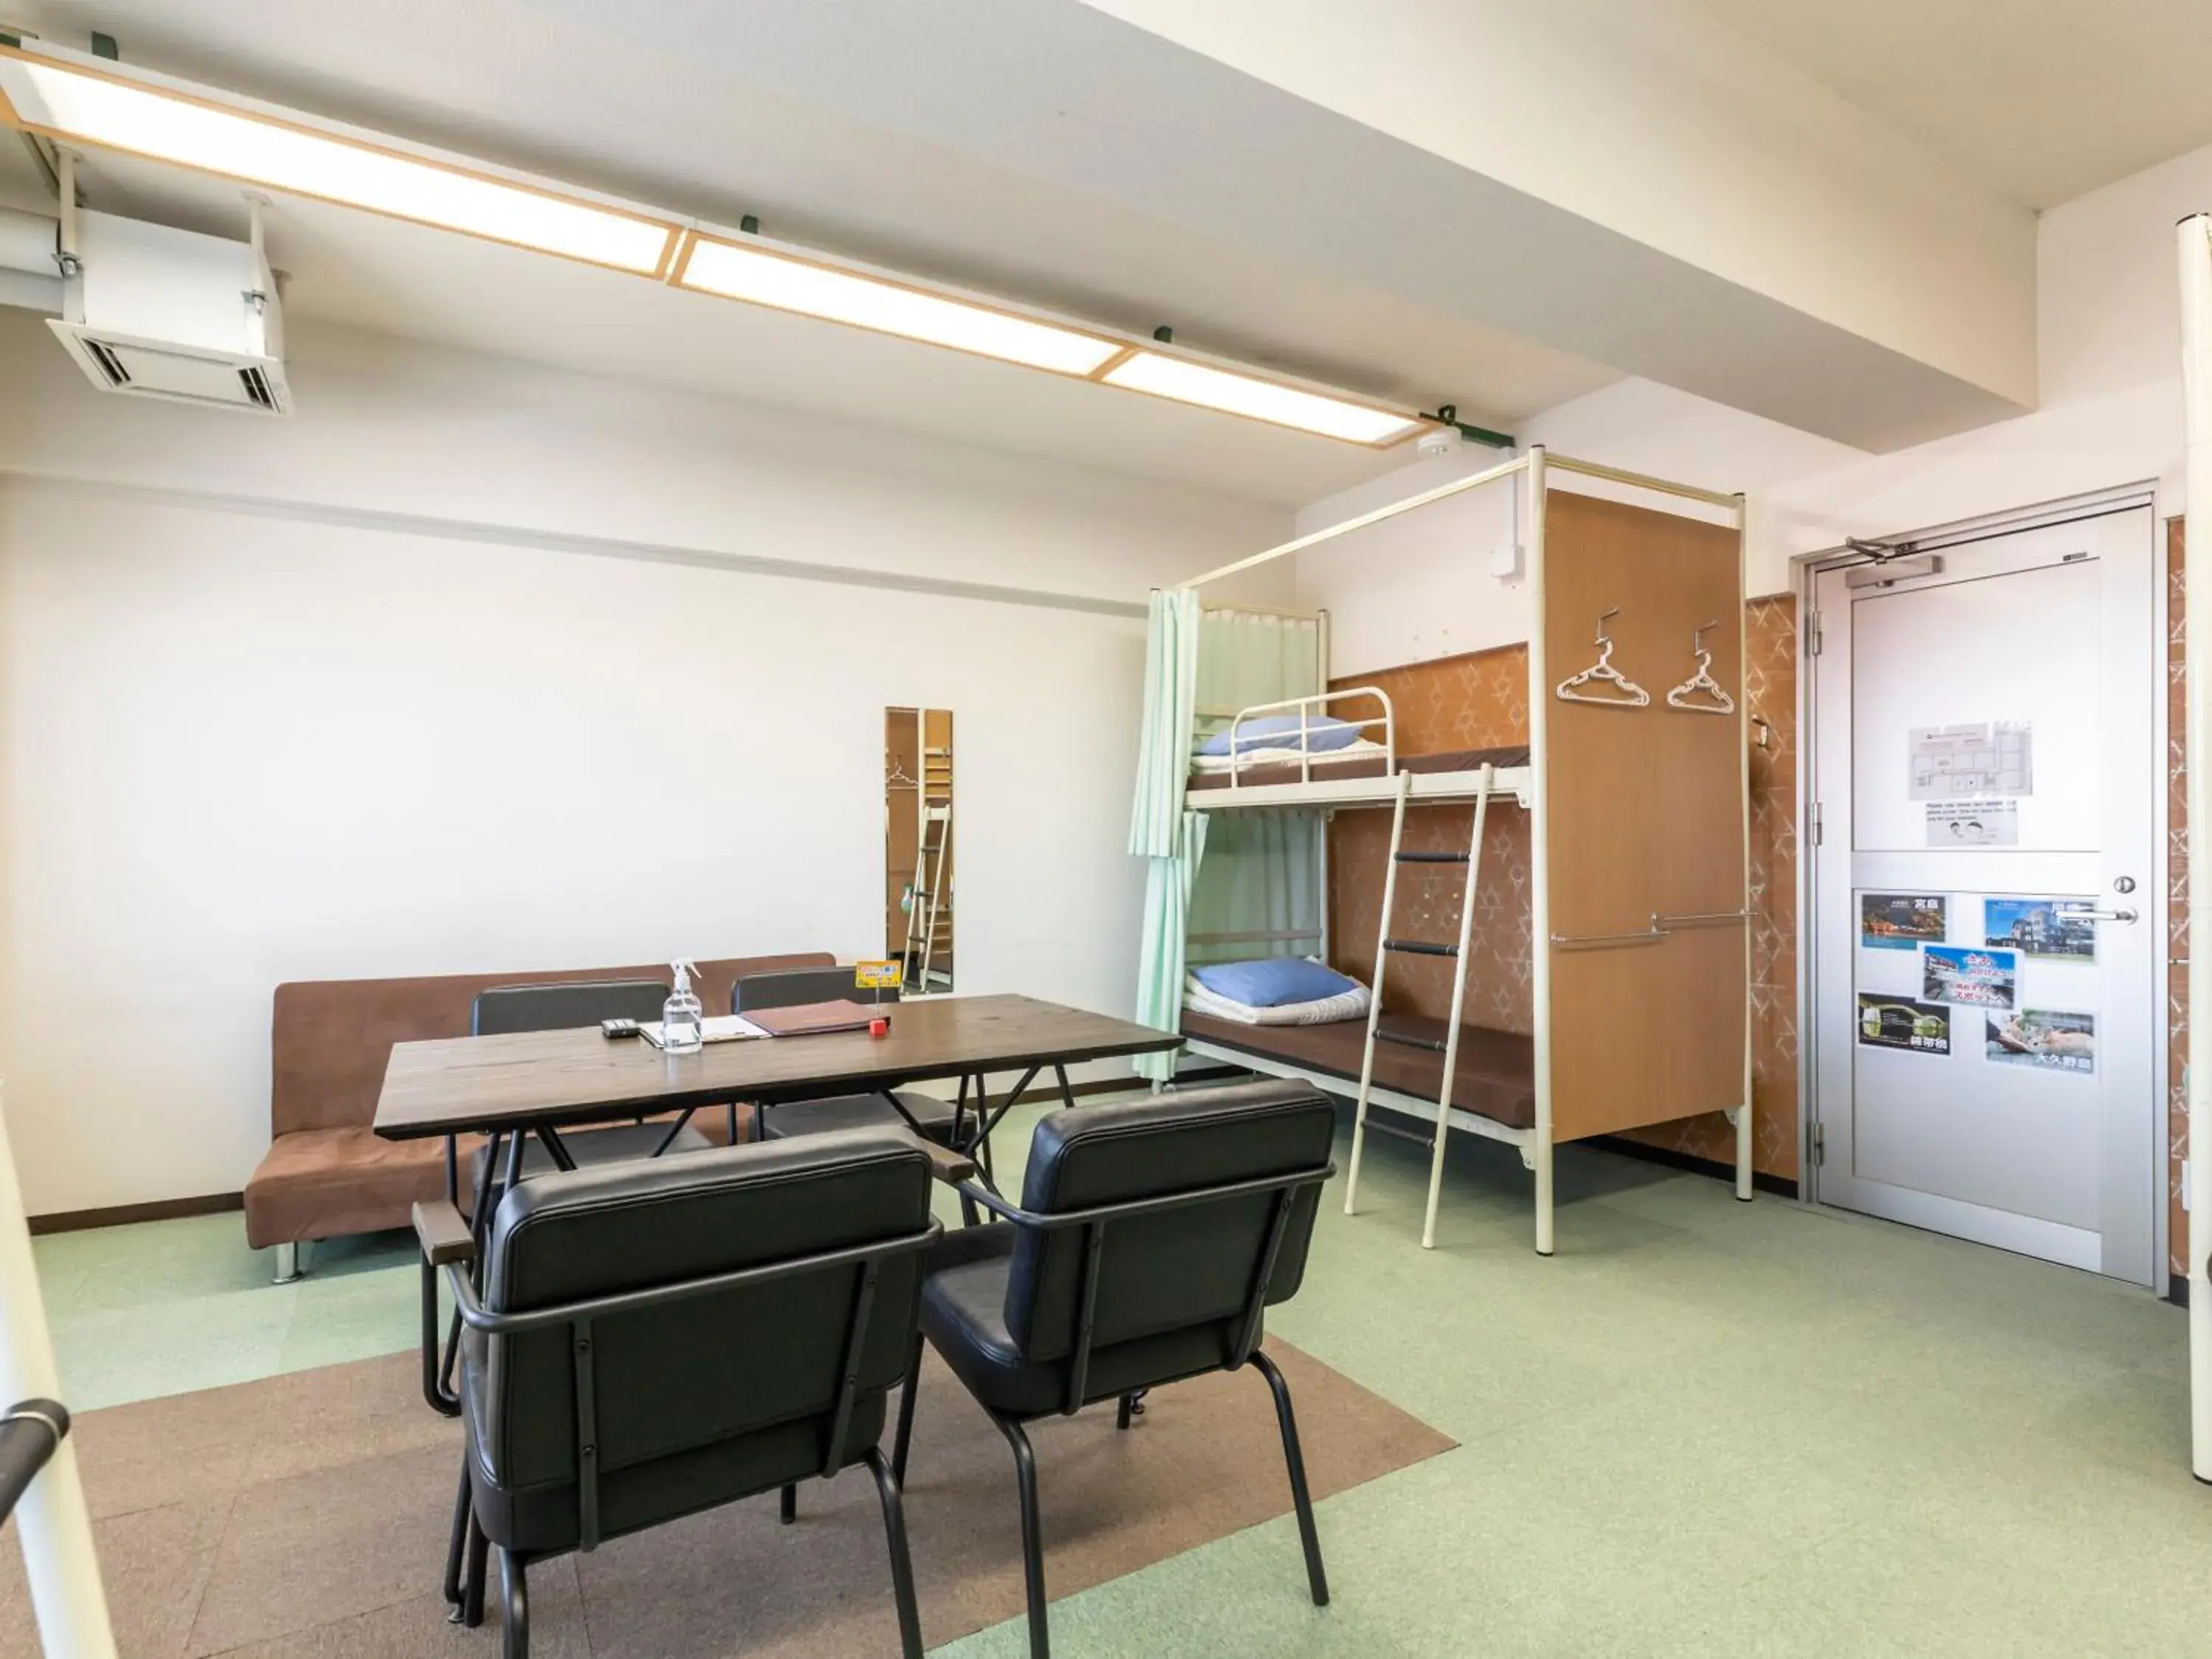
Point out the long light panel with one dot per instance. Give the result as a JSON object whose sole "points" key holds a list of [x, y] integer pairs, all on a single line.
{"points": [[784, 281], [78, 106], [75, 101], [1210, 387]]}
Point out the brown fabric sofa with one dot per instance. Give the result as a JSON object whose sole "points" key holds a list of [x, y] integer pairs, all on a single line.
{"points": [[327, 1173]]}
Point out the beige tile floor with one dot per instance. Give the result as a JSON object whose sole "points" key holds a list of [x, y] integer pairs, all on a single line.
{"points": [[1703, 1428]]}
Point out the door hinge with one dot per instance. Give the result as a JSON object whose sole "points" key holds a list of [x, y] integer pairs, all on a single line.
{"points": [[1819, 1144], [1811, 633], [1816, 823]]}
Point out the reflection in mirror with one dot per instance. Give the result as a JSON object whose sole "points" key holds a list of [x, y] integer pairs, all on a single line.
{"points": [[918, 846]]}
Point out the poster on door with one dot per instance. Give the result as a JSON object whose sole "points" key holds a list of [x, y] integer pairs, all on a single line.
{"points": [[2051, 929], [1973, 823], [1992, 758], [2042, 1040], [1902, 922], [1959, 975], [1918, 1028]]}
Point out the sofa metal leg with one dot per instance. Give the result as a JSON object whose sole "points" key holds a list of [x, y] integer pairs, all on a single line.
{"points": [[1124, 1411], [1032, 1534], [457, 1542], [909, 1616], [514, 1607], [906, 1391], [1316, 1579], [472, 1582], [287, 1263], [786, 1505]]}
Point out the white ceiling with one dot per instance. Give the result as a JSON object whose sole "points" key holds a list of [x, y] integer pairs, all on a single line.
{"points": [[578, 99], [1036, 149], [2043, 100]]}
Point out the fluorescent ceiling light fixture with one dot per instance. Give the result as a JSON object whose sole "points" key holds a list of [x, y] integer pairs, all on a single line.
{"points": [[107, 112], [786, 282], [1261, 400]]}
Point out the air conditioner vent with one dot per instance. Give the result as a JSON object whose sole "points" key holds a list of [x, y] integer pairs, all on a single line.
{"points": [[108, 362], [157, 312], [256, 382]]}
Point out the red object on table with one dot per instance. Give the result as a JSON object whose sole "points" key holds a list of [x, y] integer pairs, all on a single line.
{"points": [[880, 1026]]}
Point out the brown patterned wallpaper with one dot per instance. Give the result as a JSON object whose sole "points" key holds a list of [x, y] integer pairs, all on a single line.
{"points": [[1480, 701]]}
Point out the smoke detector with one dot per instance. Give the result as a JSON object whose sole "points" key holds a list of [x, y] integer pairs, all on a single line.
{"points": [[150, 312]]}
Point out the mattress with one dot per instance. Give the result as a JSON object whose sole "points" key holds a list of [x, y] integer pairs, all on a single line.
{"points": [[1366, 765], [1496, 1076]]}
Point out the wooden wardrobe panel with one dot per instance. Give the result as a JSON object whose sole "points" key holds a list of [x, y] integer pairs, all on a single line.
{"points": [[1645, 817]]}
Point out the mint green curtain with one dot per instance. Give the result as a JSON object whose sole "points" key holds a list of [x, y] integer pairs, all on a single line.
{"points": [[1249, 656], [1215, 873], [1170, 840], [1262, 875], [1167, 883], [1171, 632]]}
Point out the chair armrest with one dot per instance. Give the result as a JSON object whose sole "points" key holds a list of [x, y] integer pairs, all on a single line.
{"points": [[442, 1234], [948, 1166]]}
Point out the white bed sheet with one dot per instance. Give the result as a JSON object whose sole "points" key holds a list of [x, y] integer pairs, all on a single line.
{"points": [[1252, 757]]}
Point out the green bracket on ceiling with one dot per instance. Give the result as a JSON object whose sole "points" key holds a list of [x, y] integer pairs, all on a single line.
{"points": [[1448, 414], [103, 45]]}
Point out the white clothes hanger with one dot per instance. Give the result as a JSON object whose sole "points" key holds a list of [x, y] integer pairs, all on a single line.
{"points": [[1702, 681], [1628, 695]]}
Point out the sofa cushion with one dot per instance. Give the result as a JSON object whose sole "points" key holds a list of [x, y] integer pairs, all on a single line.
{"points": [[321, 1183]]}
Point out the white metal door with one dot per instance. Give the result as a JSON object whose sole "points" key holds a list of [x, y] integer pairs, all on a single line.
{"points": [[1987, 925]]}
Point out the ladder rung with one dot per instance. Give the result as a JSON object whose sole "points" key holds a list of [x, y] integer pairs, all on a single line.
{"points": [[1405, 1040], [1377, 1126], [1420, 947], [1431, 857]]}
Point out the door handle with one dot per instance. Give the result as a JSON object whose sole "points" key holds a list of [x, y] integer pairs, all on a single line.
{"points": [[2103, 916]]}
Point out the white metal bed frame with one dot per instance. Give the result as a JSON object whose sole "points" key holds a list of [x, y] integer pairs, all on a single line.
{"points": [[1524, 783]]}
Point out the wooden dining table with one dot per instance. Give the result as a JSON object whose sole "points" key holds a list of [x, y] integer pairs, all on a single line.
{"points": [[524, 1086], [537, 1083]]}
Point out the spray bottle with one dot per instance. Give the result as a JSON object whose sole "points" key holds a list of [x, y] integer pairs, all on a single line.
{"points": [[681, 1031]]}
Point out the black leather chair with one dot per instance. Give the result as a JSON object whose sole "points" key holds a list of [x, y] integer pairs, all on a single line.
{"points": [[792, 987], [1151, 1236], [560, 1007], [660, 1337], [501, 1160]]}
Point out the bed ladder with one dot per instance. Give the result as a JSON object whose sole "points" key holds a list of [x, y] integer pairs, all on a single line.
{"points": [[925, 920], [1389, 944]]}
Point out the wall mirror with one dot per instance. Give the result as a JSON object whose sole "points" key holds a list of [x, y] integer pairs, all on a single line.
{"points": [[918, 860]]}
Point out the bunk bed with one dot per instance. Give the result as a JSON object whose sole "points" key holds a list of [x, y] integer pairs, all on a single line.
{"points": [[1641, 938]]}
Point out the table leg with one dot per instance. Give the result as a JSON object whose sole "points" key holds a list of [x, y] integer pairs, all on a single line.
{"points": [[556, 1149]]}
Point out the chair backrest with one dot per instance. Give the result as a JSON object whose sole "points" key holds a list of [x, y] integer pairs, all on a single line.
{"points": [[1174, 1269], [795, 988], [559, 1007], [694, 1402]]}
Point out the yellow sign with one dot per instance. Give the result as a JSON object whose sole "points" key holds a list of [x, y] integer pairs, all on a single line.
{"points": [[876, 975]]}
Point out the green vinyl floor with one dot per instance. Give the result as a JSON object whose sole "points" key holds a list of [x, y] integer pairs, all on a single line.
{"points": [[1703, 1428]]}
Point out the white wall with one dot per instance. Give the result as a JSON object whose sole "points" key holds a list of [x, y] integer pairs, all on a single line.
{"points": [[244, 740], [1418, 586], [2109, 325]]}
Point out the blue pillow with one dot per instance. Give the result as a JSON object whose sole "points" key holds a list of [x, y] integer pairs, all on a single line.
{"points": [[1281, 732], [1273, 981]]}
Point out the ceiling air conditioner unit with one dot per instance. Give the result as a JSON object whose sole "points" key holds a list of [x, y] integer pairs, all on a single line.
{"points": [[156, 313]]}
